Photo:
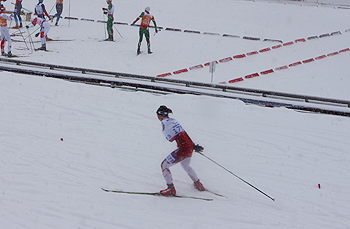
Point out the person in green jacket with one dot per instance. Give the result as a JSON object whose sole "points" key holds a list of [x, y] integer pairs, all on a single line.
{"points": [[146, 19], [109, 11]]}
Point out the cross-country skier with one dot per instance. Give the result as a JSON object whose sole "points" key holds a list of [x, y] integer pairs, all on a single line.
{"points": [[45, 28], [5, 35], [109, 11], [172, 130], [146, 19], [59, 9], [40, 10], [17, 13]]}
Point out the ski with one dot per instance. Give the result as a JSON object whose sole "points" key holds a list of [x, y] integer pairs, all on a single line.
{"points": [[48, 40], [61, 39], [217, 194], [155, 194], [106, 40], [44, 50], [14, 40], [13, 56], [137, 54], [16, 56]]}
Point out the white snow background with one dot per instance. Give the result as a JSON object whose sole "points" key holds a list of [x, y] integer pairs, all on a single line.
{"points": [[60, 142]]}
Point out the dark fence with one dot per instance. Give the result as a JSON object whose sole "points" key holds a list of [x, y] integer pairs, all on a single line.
{"points": [[160, 85]]}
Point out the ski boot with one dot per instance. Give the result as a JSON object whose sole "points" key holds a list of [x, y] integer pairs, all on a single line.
{"points": [[110, 38], [43, 47], [149, 51], [138, 52], [199, 186], [3, 53], [170, 191], [9, 54]]}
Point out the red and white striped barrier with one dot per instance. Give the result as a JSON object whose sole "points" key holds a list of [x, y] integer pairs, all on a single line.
{"points": [[261, 51], [253, 75]]}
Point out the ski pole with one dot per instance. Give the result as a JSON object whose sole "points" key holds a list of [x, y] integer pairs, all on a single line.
{"points": [[69, 15], [155, 33], [52, 8], [104, 25], [31, 44], [118, 31], [32, 33], [238, 177], [23, 38]]}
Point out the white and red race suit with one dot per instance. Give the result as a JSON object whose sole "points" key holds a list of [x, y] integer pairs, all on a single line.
{"points": [[45, 28], [5, 35], [172, 130]]}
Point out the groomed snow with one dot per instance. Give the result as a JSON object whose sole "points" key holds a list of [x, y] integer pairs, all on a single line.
{"points": [[61, 142]]}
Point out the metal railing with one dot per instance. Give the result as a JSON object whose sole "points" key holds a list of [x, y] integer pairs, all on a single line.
{"points": [[157, 84]]}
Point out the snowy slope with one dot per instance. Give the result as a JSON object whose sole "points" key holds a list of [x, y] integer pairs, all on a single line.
{"points": [[61, 142], [181, 50]]}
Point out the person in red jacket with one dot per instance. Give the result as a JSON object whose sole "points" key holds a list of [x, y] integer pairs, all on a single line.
{"points": [[173, 131]]}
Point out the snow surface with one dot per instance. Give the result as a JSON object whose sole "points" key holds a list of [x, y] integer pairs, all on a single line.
{"points": [[61, 142]]}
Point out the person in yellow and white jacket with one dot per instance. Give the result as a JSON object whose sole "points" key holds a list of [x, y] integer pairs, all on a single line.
{"points": [[5, 35]]}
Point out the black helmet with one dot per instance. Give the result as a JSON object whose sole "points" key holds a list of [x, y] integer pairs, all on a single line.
{"points": [[164, 111]]}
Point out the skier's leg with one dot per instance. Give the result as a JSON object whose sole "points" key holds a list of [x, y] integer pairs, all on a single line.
{"points": [[19, 9], [15, 16], [166, 171], [110, 28], [185, 163], [2, 46], [8, 38], [2, 38], [147, 39], [141, 31], [43, 34], [192, 174], [170, 160], [59, 9]]}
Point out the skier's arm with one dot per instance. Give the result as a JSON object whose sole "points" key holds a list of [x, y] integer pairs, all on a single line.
{"points": [[6, 17], [29, 26], [133, 23], [44, 10], [197, 148], [155, 26], [141, 15]]}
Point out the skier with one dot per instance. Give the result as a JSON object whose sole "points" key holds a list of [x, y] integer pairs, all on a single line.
{"points": [[59, 9], [146, 19], [109, 11], [40, 10], [45, 28], [5, 35], [172, 130], [17, 13]]}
